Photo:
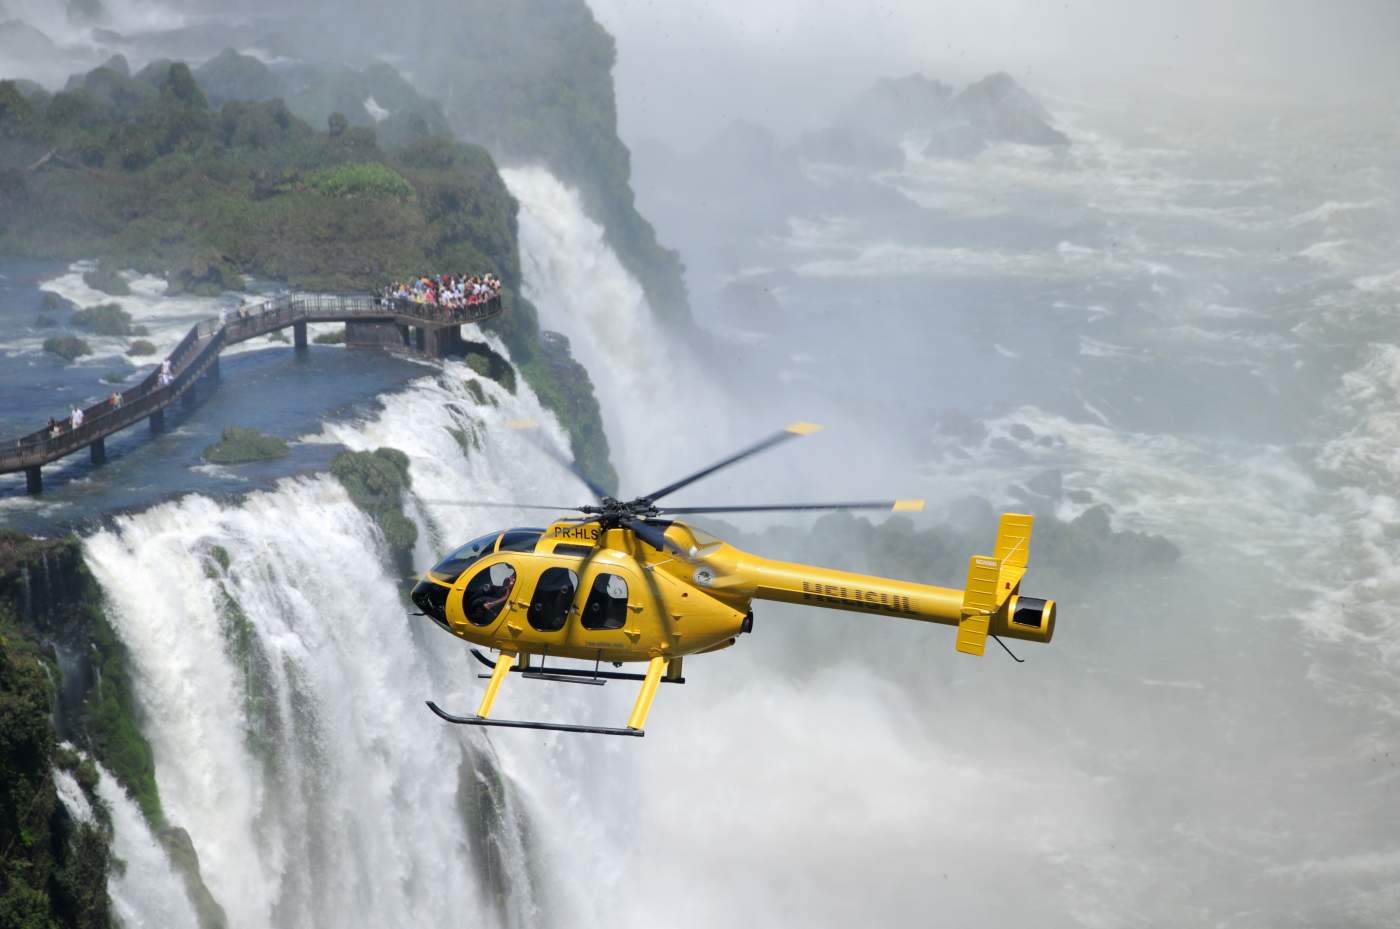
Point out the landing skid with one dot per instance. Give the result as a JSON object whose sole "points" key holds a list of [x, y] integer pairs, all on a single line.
{"points": [[520, 724], [557, 674]]}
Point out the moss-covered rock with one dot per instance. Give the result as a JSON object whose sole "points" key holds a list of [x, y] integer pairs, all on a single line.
{"points": [[140, 347], [50, 302], [376, 482], [44, 321], [107, 281], [336, 337], [239, 445], [478, 393], [104, 319], [67, 347], [485, 361], [179, 847]]}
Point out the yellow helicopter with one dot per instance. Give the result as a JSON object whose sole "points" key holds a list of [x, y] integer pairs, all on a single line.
{"points": [[624, 582]]}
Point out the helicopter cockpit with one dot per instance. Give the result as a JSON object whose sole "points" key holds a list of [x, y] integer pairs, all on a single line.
{"points": [[488, 591]]}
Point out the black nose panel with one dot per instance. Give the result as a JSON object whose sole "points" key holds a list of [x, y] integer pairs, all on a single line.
{"points": [[432, 600]]}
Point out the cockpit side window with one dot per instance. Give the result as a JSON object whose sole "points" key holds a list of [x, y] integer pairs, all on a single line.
{"points": [[520, 540], [487, 593], [607, 603], [554, 594], [451, 567]]}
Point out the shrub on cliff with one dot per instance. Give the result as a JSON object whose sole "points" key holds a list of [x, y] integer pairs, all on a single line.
{"points": [[360, 180]]}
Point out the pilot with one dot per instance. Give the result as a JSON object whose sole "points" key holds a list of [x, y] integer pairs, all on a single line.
{"points": [[483, 607]]}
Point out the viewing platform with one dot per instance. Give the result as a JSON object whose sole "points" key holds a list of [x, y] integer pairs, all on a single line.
{"points": [[370, 321]]}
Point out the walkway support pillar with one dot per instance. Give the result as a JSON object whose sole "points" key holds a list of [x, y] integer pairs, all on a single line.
{"points": [[213, 375], [299, 336], [158, 421], [33, 480], [431, 343], [98, 450], [188, 397]]}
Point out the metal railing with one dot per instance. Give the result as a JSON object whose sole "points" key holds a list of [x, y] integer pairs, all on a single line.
{"points": [[200, 347]]}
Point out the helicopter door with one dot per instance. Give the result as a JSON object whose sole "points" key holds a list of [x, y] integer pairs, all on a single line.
{"points": [[610, 602], [552, 600], [488, 594]]}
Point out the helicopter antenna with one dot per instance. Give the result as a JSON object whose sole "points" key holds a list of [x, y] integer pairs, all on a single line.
{"points": [[1008, 651]]}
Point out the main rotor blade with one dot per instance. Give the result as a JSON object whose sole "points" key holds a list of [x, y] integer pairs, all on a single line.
{"points": [[531, 427], [652, 535], [791, 432], [496, 505], [893, 506]]}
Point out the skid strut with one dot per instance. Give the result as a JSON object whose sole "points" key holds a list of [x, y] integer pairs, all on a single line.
{"points": [[541, 673], [658, 669]]}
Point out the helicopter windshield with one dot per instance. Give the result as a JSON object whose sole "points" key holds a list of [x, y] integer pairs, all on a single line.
{"points": [[451, 567]]}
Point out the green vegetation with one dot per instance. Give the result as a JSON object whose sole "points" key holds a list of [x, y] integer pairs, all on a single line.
{"points": [[107, 281], [330, 338], [239, 445], [104, 319], [140, 347], [53, 869], [375, 482], [67, 347], [147, 175], [360, 180], [490, 365]]}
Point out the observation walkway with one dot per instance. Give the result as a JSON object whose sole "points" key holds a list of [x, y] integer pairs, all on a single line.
{"points": [[369, 322]]}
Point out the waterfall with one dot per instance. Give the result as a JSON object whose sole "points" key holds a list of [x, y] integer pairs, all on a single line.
{"points": [[647, 385], [146, 892], [283, 697]]}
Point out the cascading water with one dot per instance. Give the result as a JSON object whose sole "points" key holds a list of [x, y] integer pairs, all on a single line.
{"points": [[645, 383], [284, 695]]}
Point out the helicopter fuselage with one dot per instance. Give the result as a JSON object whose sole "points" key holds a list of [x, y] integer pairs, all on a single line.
{"points": [[596, 594]]}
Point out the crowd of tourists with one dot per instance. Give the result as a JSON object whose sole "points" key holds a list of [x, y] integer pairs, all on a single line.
{"points": [[446, 291]]}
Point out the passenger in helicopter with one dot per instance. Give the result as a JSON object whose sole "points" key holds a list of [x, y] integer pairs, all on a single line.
{"points": [[486, 600]]}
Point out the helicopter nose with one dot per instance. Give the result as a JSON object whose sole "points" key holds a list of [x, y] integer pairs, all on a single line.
{"points": [[431, 598]]}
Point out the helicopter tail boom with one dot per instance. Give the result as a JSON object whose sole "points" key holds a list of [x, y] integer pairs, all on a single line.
{"points": [[989, 604]]}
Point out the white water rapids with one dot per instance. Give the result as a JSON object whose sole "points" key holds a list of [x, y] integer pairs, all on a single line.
{"points": [[829, 771]]}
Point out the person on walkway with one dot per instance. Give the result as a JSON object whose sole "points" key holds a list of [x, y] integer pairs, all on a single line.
{"points": [[76, 417]]}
